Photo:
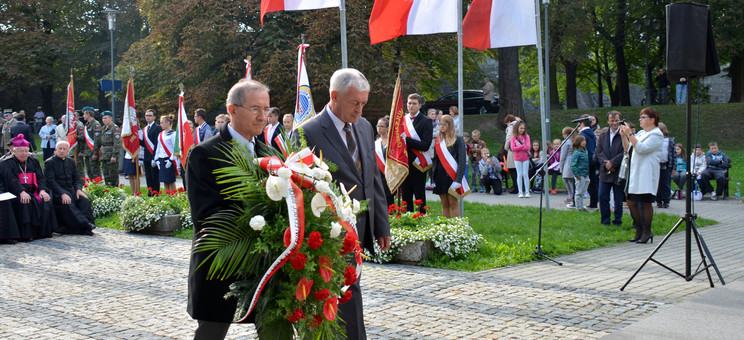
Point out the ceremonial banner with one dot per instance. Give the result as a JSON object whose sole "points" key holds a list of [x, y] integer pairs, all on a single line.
{"points": [[247, 68], [130, 126], [71, 116], [499, 23], [304, 109], [294, 5], [185, 137], [393, 18], [396, 164]]}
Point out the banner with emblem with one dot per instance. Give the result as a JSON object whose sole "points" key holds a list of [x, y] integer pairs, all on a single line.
{"points": [[247, 68], [396, 164], [71, 116], [130, 126], [185, 137], [304, 109]]}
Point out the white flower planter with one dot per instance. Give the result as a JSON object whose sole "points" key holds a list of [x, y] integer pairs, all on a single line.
{"points": [[164, 226], [413, 253]]}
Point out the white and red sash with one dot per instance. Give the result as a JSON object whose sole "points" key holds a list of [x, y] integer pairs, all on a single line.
{"points": [[450, 166], [422, 160], [168, 151], [267, 134], [281, 143], [380, 155], [150, 145], [89, 139]]}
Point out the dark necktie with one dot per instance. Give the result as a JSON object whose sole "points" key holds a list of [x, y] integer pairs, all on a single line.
{"points": [[351, 144]]}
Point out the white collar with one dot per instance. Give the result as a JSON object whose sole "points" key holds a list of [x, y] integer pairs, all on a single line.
{"points": [[238, 137]]}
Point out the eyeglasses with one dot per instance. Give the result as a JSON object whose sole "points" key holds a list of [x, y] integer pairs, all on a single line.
{"points": [[255, 109], [382, 126], [644, 117]]}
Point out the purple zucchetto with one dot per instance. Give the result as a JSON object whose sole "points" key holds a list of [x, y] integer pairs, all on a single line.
{"points": [[19, 141]]}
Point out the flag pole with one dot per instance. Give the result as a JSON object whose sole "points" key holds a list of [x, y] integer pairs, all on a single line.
{"points": [[136, 181], [342, 14], [540, 78], [67, 122], [459, 87]]}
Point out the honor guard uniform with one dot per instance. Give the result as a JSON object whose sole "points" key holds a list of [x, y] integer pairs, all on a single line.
{"points": [[107, 146], [86, 144]]}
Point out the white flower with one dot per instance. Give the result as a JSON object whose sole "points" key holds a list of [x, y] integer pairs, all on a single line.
{"points": [[323, 186], [355, 206], [276, 188], [257, 222], [318, 204], [285, 173], [335, 229], [319, 173]]}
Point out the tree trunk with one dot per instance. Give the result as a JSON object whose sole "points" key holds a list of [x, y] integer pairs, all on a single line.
{"points": [[571, 85], [555, 100], [47, 92], [510, 88], [622, 86], [736, 73], [600, 92]]}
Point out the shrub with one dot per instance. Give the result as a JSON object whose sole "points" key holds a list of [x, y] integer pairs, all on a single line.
{"points": [[104, 200], [138, 213]]}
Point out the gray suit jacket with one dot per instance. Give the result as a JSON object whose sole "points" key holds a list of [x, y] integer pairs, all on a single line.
{"points": [[321, 134]]}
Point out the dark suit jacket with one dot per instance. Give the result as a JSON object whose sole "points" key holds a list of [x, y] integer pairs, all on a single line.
{"points": [[613, 153], [152, 135], [278, 131], [322, 134], [206, 300], [424, 129], [62, 177], [591, 142], [28, 133]]}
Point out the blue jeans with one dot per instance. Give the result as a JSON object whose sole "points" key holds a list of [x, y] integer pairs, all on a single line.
{"points": [[523, 176], [604, 202], [581, 186], [681, 93]]}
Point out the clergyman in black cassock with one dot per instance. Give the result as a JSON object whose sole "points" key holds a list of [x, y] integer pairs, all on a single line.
{"points": [[9, 232], [71, 205]]}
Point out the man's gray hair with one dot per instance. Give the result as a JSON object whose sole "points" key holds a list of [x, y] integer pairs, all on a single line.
{"points": [[343, 79], [241, 90], [62, 142]]}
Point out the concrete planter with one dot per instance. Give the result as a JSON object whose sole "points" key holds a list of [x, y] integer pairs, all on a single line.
{"points": [[413, 253], [165, 226]]}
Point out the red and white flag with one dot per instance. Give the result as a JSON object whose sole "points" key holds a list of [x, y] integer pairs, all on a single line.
{"points": [[247, 68], [294, 5], [130, 126], [499, 23], [71, 116], [393, 18], [185, 140], [396, 160]]}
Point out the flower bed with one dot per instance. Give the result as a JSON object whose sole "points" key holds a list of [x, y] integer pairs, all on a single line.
{"points": [[452, 237], [140, 212], [104, 200]]}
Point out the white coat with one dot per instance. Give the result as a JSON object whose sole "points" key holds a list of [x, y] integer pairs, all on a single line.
{"points": [[507, 145], [644, 163]]}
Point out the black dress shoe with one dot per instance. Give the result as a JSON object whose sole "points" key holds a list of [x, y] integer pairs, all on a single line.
{"points": [[87, 232], [8, 241], [92, 226]]}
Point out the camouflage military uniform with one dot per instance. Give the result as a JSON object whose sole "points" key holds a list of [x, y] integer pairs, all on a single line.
{"points": [[107, 147], [92, 166], [79, 160]]}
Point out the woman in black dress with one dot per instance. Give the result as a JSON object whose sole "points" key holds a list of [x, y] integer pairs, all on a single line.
{"points": [[444, 182]]}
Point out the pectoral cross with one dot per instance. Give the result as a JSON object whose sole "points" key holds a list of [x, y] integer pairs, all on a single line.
{"points": [[25, 179]]}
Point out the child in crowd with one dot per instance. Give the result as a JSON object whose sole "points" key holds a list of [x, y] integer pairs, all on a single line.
{"points": [[554, 163], [679, 172], [475, 156], [468, 146], [490, 170], [580, 169], [716, 164], [537, 157], [565, 166], [520, 146], [697, 164]]}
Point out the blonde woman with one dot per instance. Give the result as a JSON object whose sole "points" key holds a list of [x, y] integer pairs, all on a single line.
{"points": [[455, 146]]}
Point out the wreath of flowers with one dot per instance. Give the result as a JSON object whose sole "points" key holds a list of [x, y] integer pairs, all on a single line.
{"points": [[302, 256]]}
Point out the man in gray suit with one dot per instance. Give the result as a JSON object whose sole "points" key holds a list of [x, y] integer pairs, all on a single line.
{"points": [[345, 138]]}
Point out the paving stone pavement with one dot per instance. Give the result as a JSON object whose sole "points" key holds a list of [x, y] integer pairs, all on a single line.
{"points": [[118, 285]]}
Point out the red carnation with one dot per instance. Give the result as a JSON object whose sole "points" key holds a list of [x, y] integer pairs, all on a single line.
{"points": [[149, 189], [85, 185], [322, 294], [181, 189], [138, 193], [105, 190], [403, 204], [296, 315], [314, 241], [330, 308], [350, 242], [121, 184], [317, 320], [303, 289], [350, 276], [326, 267], [417, 215], [346, 297], [418, 202], [298, 261]]}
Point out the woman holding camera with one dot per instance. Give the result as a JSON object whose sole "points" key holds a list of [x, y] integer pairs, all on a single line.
{"points": [[644, 171]]}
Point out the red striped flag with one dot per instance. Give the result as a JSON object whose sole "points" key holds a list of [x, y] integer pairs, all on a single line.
{"points": [[71, 116], [130, 126], [185, 140], [294, 5]]}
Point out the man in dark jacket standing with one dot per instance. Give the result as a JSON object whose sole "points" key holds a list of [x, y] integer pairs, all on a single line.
{"points": [[610, 154], [22, 128], [247, 104], [150, 142], [71, 205], [419, 132], [591, 146]]}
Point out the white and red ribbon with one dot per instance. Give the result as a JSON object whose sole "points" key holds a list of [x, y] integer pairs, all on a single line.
{"points": [[422, 161], [89, 139], [450, 166], [380, 156]]}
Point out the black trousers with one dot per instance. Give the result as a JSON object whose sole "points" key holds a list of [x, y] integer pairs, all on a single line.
{"points": [[593, 186], [414, 185], [492, 183], [151, 177]]}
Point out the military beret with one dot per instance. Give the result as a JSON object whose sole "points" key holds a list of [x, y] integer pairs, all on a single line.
{"points": [[88, 108], [107, 113]]}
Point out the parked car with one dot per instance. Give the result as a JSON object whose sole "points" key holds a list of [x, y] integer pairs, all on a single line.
{"points": [[472, 102]]}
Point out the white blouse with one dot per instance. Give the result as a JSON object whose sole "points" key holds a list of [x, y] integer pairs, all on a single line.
{"points": [[169, 139]]}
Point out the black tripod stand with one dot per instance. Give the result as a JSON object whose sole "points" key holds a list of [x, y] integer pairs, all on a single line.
{"points": [[541, 172], [689, 220]]}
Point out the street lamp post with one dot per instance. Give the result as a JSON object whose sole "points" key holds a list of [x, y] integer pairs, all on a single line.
{"points": [[111, 14], [646, 38]]}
